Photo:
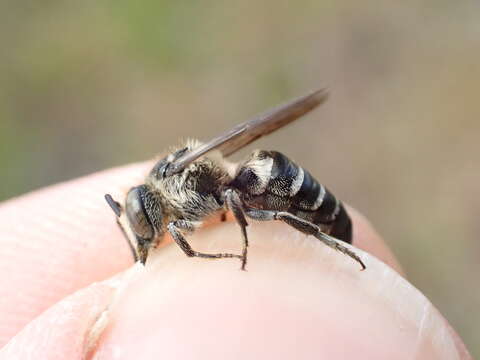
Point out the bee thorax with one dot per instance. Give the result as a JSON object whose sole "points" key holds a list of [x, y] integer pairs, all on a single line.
{"points": [[193, 193]]}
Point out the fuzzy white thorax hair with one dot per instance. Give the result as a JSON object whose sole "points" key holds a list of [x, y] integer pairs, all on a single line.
{"points": [[178, 194]]}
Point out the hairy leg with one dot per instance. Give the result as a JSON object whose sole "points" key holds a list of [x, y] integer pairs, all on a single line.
{"points": [[234, 203], [305, 227], [175, 229]]}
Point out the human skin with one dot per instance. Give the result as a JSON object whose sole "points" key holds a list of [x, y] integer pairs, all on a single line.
{"points": [[69, 290]]}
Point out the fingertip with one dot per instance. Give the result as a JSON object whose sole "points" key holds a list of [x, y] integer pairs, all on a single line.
{"points": [[298, 299]]}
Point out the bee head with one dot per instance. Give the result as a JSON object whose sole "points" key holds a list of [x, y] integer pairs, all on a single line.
{"points": [[142, 222]]}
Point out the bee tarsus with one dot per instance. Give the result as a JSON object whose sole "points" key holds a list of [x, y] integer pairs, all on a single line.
{"points": [[175, 229]]}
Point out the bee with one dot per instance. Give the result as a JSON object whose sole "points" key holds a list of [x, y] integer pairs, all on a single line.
{"points": [[195, 181]]}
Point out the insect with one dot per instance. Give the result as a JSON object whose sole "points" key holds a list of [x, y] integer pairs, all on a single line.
{"points": [[195, 180]]}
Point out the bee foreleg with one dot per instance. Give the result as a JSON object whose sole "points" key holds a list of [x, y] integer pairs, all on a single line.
{"points": [[175, 229], [234, 203], [305, 227]]}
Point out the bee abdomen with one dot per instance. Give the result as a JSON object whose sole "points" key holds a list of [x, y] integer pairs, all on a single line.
{"points": [[271, 181]]}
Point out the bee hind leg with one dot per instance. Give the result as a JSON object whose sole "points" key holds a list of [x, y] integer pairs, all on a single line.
{"points": [[175, 229], [305, 227]]}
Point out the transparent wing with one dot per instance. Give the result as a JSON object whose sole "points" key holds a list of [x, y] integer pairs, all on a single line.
{"points": [[243, 134]]}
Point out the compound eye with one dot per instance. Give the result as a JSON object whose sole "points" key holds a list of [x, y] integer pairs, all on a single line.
{"points": [[136, 214]]}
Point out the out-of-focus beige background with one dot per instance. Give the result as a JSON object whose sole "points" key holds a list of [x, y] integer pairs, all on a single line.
{"points": [[88, 85]]}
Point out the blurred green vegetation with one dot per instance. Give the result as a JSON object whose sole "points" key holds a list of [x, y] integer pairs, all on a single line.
{"points": [[93, 84]]}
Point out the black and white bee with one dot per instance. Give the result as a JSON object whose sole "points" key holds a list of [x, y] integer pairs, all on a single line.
{"points": [[195, 181]]}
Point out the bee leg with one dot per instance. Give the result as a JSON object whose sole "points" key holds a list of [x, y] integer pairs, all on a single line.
{"points": [[234, 203], [305, 227], [175, 229]]}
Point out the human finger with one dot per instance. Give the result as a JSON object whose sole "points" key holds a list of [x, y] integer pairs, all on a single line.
{"points": [[298, 299], [294, 285], [57, 240]]}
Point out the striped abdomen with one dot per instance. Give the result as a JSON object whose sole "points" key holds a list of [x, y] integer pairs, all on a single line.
{"points": [[268, 180]]}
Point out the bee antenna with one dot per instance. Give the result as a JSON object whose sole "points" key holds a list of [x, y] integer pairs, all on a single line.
{"points": [[116, 207]]}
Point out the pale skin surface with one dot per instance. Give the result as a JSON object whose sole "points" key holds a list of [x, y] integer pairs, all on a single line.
{"points": [[298, 299]]}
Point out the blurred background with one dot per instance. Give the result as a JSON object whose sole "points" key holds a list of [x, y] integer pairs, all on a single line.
{"points": [[94, 84]]}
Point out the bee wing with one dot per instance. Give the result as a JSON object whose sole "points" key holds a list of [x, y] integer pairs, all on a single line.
{"points": [[243, 134]]}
